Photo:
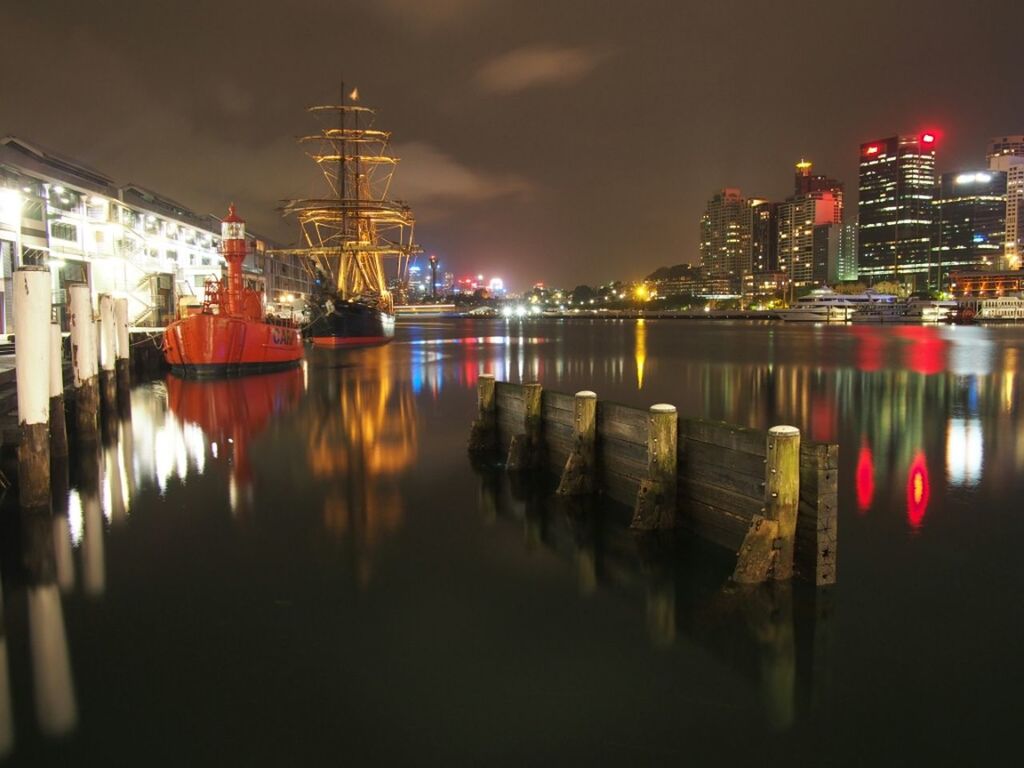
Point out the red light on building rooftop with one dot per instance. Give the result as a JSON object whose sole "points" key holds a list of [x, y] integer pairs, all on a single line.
{"points": [[873, 149], [927, 138]]}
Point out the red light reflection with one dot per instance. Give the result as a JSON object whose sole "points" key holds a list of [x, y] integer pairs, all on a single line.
{"points": [[918, 490], [865, 477], [926, 352]]}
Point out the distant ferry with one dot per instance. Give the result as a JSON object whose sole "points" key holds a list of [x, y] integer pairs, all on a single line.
{"points": [[830, 307], [1001, 309], [910, 311]]}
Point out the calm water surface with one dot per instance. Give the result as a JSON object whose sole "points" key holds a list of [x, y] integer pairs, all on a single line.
{"points": [[304, 567]]}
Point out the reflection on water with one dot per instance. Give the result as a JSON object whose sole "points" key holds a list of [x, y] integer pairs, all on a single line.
{"points": [[362, 435], [331, 508], [683, 586], [224, 416]]}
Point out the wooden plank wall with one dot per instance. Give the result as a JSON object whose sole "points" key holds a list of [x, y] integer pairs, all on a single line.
{"points": [[721, 472]]}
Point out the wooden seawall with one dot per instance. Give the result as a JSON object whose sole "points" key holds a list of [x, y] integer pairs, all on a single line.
{"points": [[721, 473]]}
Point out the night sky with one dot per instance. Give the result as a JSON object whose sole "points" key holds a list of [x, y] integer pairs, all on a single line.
{"points": [[541, 140]]}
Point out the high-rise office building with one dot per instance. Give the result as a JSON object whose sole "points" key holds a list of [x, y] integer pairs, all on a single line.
{"points": [[764, 236], [725, 241], [1001, 146], [807, 182], [895, 216], [843, 254], [805, 222], [970, 222], [1006, 153]]}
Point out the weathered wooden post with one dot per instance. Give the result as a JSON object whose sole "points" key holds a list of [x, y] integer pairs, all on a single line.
{"points": [[767, 548], [123, 348], [32, 363], [58, 422], [525, 450], [484, 433], [656, 499], [782, 493], [84, 362], [107, 352], [578, 474]]}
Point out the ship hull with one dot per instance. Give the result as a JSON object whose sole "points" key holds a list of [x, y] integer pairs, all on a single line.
{"points": [[209, 346], [352, 325]]}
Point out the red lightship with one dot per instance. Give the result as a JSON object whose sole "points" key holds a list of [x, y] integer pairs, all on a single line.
{"points": [[230, 335]]}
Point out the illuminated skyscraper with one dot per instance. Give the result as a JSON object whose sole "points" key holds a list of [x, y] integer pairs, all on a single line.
{"points": [[764, 235], [1006, 153], [895, 216], [970, 222], [807, 222], [725, 241], [1001, 146]]}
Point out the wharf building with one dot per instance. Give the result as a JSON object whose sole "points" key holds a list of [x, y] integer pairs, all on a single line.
{"points": [[725, 243], [809, 226], [970, 222], [124, 240], [895, 212], [1006, 154]]}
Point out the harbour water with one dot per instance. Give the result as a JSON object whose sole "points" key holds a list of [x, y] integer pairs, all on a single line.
{"points": [[304, 567]]}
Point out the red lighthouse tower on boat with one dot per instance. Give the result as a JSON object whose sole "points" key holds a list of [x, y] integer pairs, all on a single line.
{"points": [[229, 335]]}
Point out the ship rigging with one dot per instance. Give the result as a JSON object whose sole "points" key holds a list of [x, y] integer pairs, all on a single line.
{"points": [[352, 232]]}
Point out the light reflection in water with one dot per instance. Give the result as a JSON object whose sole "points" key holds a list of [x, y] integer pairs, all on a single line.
{"points": [[640, 351], [965, 451], [362, 435], [918, 490], [228, 413]]}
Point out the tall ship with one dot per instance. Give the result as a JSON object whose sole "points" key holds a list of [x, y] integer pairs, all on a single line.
{"points": [[229, 334], [355, 235]]}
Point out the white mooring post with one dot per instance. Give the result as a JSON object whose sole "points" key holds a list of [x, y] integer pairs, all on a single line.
{"points": [[32, 363], [84, 362], [123, 348], [107, 352], [58, 422]]}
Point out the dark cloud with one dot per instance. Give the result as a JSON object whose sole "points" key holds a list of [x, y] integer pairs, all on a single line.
{"points": [[527, 149]]}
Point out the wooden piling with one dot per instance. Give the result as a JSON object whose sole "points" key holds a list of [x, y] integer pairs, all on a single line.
{"points": [[767, 549], [107, 353], [656, 498], [483, 436], [524, 452], [123, 349], [782, 493], [578, 474], [58, 422], [32, 296], [719, 490], [84, 362]]}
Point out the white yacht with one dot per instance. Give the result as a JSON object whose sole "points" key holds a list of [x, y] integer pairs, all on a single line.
{"points": [[930, 310], [823, 306], [909, 311]]}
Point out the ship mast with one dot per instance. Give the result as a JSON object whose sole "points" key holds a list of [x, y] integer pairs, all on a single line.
{"points": [[348, 236]]}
